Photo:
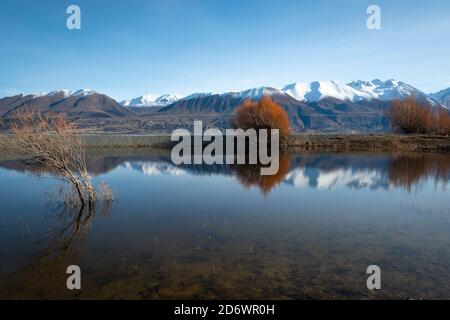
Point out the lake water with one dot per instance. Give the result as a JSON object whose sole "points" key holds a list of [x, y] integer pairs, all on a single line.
{"points": [[222, 232]]}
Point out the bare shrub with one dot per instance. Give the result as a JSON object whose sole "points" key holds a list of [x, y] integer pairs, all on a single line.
{"points": [[62, 199], [263, 114], [410, 116], [105, 197], [441, 124], [50, 140], [105, 193]]}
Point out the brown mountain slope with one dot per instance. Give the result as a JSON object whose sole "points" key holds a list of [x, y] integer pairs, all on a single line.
{"points": [[79, 106]]}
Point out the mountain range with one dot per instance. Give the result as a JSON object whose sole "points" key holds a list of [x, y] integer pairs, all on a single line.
{"points": [[321, 106], [307, 92]]}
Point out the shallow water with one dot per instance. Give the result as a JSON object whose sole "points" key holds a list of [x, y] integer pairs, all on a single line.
{"points": [[225, 232]]}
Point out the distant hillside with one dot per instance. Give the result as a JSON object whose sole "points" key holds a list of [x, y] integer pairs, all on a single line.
{"points": [[443, 97], [326, 115], [81, 103], [319, 106]]}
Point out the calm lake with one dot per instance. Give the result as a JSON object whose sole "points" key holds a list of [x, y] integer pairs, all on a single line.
{"points": [[224, 232]]}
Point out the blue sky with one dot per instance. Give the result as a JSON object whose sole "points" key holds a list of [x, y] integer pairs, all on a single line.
{"points": [[129, 48]]}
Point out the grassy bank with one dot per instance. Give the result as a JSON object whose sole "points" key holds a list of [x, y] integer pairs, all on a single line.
{"points": [[371, 142], [330, 142]]}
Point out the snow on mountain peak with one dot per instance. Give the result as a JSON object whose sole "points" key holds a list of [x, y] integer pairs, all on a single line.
{"points": [[386, 90], [318, 90], [197, 95], [66, 93], [151, 100], [443, 97], [355, 91], [167, 99], [255, 93], [72, 93], [38, 94], [81, 92]]}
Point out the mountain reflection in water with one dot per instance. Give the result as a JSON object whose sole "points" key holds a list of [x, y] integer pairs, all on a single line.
{"points": [[189, 231], [320, 171]]}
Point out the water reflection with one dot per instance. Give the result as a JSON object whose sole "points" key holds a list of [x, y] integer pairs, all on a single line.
{"points": [[319, 171], [190, 232], [62, 244], [409, 171], [72, 222], [249, 175]]}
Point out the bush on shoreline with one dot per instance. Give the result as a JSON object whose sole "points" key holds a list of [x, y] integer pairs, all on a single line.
{"points": [[263, 114], [411, 116]]}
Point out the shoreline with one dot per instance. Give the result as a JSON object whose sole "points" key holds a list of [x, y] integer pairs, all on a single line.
{"points": [[302, 141]]}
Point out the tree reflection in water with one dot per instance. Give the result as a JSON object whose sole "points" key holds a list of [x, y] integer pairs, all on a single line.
{"points": [[249, 175], [409, 170], [64, 244], [143, 275]]}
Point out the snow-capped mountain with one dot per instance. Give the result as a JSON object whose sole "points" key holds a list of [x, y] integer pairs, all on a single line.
{"points": [[443, 97], [79, 103], [197, 95], [355, 91], [151, 100], [78, 93], [318, 90], [387, 90], [319, 106], [255, 93], [65, 93]]}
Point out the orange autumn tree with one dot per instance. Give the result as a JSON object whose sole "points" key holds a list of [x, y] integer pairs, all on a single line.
{"points": [[263, 114], [442, 121], [410, 116]]}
